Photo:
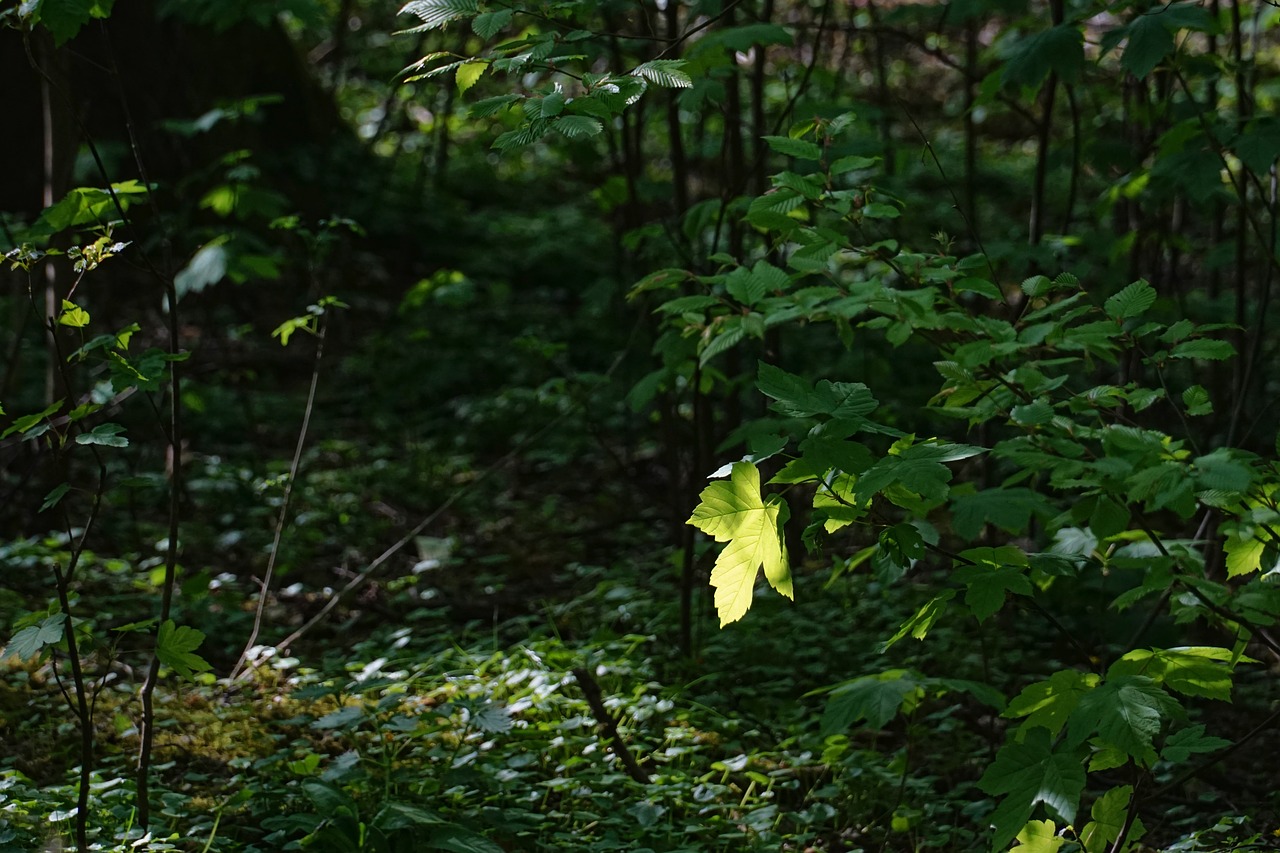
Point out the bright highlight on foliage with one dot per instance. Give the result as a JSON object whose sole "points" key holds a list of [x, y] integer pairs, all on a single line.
{"points": [[734, 512]]}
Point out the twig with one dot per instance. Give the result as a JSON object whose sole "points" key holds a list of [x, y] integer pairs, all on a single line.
{"points": [[591, 690], [283, 516]]}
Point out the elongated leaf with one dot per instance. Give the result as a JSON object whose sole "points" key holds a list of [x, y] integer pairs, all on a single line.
{"points": [[800, 149], [664, 72], [437, 13], [577, 127]]}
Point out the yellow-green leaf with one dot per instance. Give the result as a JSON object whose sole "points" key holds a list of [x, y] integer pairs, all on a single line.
{"points": [[735, 512], [73, 315], [469, 73], [1244, 553], [1039, 836]]}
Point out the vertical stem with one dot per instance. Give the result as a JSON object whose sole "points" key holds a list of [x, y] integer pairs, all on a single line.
{"points": [[970, 128]]}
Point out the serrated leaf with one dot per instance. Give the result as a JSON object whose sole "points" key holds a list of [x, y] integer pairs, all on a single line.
{"points": [[1047, 704], [106, 435], [65, 18], [488, 24], [732, 334], [1027, 773], [1126, 712], [1196, 399], [664, 72], [1060, 50], [735, 512], [873, 698], [1244, 552], [469, 73], [31, 640], [1110, 813], [800, 149], [1181, 745], [1009, 509], [987, 586], [1203, 348], [55, 495], [73, 315], [437, 13], [1191, 670], [1039, 836], [492, 717], [577, 127], [1149, 42], [175, 647], [922, 621], [1132, 301], [492, 106]]}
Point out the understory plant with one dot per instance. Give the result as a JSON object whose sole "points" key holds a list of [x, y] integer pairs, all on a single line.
{"points": [[1057, 474]]}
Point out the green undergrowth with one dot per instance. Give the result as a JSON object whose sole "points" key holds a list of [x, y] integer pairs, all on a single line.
{"points": [[428, 732]]}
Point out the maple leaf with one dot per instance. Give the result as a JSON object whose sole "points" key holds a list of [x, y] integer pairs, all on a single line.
{"points": [[735, 512]]}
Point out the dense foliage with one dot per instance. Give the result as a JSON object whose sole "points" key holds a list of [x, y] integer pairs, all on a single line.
{"points": [[408, 420]]}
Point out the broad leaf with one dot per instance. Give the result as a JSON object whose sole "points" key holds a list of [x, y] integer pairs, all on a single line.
{"points": [[31, 640], [175, 647], [1027, 773], [735, 512], [1126, 712]]}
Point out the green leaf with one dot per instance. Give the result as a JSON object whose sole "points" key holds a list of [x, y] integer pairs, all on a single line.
{"points": [[55, 495], [1132, 301], [1197, 401], [1060, 49], [1203, 348], [735, 512], [795, 398], [1126, 712], [1181, 745], [469, 73], [175, 647], [26, 423], [1149, 42], [344, 718], [987, 586], [1009, 509], [919, 625], [1244, 552], [873, 698], [800, 149], [577, 127], [1191, 670], [1039, 836], [664, 72], [65, 18], [1110, 812], [1047, 704], [31, 640], [488, 24], [1027, 773], [437, 13], [492, 106], [73, 315], [107, 435]]}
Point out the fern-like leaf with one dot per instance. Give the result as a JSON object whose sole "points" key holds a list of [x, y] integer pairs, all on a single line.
{"points": [[664, 72], [437, 13]]}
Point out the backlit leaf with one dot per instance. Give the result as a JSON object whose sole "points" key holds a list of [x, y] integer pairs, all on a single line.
{"points": [[735, 512]]}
